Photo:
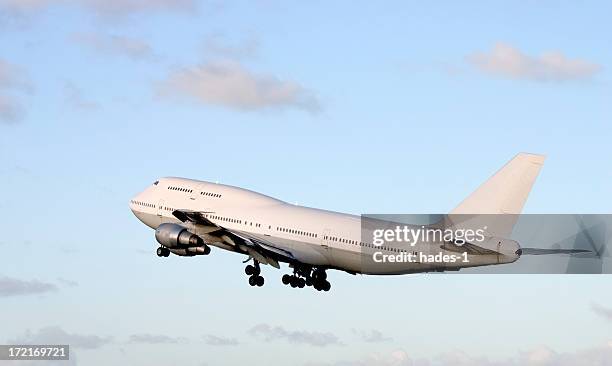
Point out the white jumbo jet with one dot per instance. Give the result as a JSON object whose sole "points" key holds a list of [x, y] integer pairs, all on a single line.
{"points": [[189, 216]]}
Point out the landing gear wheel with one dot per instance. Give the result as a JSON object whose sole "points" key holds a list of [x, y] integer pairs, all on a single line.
{"points": [[301, 282], [163, 252], [326, 286], [259, 281], [320, 275], [249, 270], [322, 286], [294, 282], [309, 282], [286, 279], [252, 281]]}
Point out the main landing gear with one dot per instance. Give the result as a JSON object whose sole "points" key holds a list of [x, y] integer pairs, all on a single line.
{"points": [[254, 272], [302, 277], [163, 252]]}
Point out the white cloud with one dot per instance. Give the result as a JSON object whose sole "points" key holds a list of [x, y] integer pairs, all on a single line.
{"points": [[105, 8], [372, 336], [123, 7], [394, 358], [14, 287], [540, 356], [133, 48], [10, 110], [155, 339], [56, 335], [219, 47], [602, 311], [318, 339], [213, 340], [23, 6], [231, 85], [12, 79], [67, 283], [507, 61]]}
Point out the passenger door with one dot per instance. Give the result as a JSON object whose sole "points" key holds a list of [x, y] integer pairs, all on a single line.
{"points": [[195, 193], [160, 211], [326, 243]]}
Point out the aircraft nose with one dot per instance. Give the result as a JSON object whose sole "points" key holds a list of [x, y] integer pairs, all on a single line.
{"points": [[133, 202]]}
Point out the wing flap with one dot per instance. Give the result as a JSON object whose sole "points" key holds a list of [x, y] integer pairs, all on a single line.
{"points": [[267, 246], [262, 251], [196, 217]]}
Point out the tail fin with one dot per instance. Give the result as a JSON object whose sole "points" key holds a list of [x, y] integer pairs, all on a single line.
{"points": [[497, 203], [507, 190]]}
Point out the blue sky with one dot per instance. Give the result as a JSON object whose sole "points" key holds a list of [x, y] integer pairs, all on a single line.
{"points": [[354, 107]]}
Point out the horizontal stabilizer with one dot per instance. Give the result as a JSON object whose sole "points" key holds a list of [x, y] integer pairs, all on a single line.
{"points": [[538, 251]]}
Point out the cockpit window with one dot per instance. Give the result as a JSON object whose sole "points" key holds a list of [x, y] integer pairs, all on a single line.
{"points": [[156, 183]]}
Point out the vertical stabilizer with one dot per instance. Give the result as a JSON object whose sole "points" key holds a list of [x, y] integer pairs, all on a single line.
{"points": [[497, 203], [507, 190]]}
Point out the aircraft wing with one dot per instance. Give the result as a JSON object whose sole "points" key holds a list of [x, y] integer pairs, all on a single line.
{"points": [[195, 217], [266, 245], [261, 250]]}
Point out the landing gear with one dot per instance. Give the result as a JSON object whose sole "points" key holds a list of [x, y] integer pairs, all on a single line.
{"points": [[254, 272], [251, 270], [294, 281], [305, 276], [163, 252], [256, 281], [322, 286], [320, 282]]}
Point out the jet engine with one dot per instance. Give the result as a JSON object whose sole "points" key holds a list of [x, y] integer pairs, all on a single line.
{"points": [[176, 236], [191, 251]]}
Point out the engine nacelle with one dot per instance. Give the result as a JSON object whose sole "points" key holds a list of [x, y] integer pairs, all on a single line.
{"points": [[191, 251], [176, 236]]}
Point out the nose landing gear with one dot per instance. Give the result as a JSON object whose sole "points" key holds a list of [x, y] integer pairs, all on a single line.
{"points": [[163, 252]]}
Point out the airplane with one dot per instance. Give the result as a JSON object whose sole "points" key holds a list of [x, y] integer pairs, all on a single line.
{"points": [[191, 216]]}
